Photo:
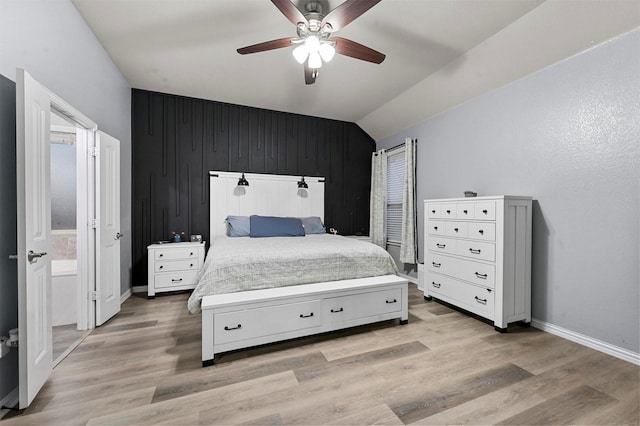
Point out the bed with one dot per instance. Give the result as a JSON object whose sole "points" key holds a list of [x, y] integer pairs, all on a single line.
{"points": [[253, 291]]}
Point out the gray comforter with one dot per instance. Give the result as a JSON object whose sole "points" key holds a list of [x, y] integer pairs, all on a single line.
{"points": [[241, 264]]}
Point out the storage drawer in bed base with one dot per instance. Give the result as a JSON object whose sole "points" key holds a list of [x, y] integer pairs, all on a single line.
{"points": [[383, 298]]}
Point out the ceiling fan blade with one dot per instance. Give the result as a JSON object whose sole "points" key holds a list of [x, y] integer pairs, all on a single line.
{"points": [[309, 74], [267, 45], [356, 50], [290, 11], [342, 15]]}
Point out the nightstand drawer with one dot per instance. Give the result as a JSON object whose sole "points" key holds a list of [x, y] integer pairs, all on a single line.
{"points": [[174, 279], [177, 265], [176, 253]]}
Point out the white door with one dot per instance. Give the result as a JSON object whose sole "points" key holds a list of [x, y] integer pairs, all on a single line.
{"points": [[33, 106], [108, 227]]}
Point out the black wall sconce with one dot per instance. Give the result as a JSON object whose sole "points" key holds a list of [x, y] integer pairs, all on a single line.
{"points": [[302, 183], [243, 181]]}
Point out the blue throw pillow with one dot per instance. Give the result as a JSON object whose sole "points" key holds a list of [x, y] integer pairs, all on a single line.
{"points": [[270, 226], [238, 226], [313, 225]]}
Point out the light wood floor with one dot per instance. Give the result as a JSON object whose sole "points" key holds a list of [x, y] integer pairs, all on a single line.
{"points": [[444, 367]]}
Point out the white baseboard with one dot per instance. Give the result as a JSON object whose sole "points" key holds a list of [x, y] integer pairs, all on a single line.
{"points": [[139, 289], [10, 400], [125, 296], [590, 342]]}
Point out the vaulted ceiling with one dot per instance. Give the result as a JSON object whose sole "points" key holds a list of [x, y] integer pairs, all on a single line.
{"points": [[439, 53]]}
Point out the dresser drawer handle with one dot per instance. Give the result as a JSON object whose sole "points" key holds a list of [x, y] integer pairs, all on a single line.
{"points": [[481, 301], [437, 265], [306, 316], [391, 301], [335, 311], [435, 284], [441, 245], [481, 231], [160, 267], [239, 326], [455, 229], [191, 265], [179, 280], [484, 211], [474, 251], [435, 228], [433, 211], [160, 255], [479, 275], [464, 211], [191, 254], [448, 211]]}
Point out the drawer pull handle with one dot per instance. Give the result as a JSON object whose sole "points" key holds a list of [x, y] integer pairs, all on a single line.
{"points": [[173, 280], [435, 228], [448, 211], [481, 301], [239, 326], [455, 229], [391, 301], [160, 255], [435, 284], [191, 265], [474, 251], [160, 267], [481, 231], [191, 254], [433, 211], [335, 311], [464, 211], [484, 211], [441, 245], [479, 275], [436, 265], [306, 316]]}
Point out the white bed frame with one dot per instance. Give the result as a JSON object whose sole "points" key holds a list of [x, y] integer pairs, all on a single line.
{"points": [[239, 320]]}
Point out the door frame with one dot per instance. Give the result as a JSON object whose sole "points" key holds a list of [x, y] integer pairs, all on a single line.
{"points": [[85, 208]]}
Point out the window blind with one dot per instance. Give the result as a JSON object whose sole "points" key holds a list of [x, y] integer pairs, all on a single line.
{"points": [[395, 182]]}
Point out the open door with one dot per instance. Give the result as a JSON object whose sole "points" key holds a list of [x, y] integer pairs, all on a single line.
{"points": [[33, 106], [108, 227]]}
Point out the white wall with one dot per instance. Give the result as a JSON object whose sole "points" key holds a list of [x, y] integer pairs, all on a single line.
{"points": [[50, 40], [569, 136]]}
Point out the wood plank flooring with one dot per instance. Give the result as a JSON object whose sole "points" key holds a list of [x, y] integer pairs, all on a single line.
{"points": [[444, 367]]}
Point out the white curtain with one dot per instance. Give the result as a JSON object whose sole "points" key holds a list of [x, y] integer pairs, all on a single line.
{"points": [[408, 246], [378, 197]]}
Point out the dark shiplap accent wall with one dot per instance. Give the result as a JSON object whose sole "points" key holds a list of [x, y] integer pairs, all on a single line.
{"points": [[178, 140]]}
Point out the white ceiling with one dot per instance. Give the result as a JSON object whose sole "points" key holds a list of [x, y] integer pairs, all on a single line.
{"points": [[440, 53]]}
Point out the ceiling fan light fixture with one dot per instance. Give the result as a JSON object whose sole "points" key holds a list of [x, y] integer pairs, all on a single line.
{"points": [[313, 43], [327, 51], [300, 53], [314, 60]]}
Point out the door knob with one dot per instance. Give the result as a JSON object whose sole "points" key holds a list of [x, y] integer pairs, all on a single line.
{"points": [[118, 236], [31, 256]]}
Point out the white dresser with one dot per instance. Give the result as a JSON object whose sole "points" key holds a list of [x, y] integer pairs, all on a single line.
{"points": [[478, 256], [173, 266]]}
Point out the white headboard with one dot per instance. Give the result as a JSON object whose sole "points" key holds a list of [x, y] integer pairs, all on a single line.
{"points": [[267, 195]]}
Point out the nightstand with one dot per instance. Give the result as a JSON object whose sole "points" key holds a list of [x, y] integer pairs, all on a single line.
{"points": [[173, 266]]}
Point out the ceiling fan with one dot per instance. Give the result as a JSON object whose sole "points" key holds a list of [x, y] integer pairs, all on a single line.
{"points": [[315, 42]]}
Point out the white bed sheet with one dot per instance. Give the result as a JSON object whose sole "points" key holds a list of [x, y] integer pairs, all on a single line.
{"points": [[241, 264]]}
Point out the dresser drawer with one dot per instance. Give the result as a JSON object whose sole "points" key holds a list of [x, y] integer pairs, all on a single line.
{"points": [[485, 210], [482, 231], [253, 323], [176, 253], [476, 250], [467, 270], [465, 210], [173, 279], [177, 265], [346, 308], [476, 299], [456, 229], [437, 227], [441, 211], [442, 245]]}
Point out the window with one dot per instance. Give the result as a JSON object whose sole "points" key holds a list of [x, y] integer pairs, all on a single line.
{"points": [[395, 183]]}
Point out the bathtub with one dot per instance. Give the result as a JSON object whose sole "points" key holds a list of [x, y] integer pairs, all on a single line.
{"points": [[64, 288]]}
